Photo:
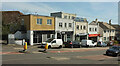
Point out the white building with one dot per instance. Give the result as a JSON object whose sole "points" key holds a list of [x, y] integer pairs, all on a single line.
{"points": [[64, 29]]}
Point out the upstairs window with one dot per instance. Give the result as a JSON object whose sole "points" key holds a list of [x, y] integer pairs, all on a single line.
{"points": [[39, 21], [84, 27], [49, 21], [90, 29], [60, 24], [70, 24], [81, 27], [77, 27], [65, 24], [104, 31], [65, 17], [95, 29]]}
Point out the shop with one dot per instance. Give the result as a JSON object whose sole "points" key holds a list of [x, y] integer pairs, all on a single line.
{"points": [[94, 37]]}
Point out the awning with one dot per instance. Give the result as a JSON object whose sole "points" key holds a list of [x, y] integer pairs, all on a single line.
{"points": [[81, 34], [94, 35]]}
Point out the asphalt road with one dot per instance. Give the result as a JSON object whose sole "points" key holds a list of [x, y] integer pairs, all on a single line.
{"points": [[94, 55]]}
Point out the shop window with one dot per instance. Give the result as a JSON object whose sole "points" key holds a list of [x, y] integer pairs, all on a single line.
{"points": [[105, 38], [48, 35]]}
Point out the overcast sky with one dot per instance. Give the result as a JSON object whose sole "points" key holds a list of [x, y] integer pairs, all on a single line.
{"points": [[90, 10]]}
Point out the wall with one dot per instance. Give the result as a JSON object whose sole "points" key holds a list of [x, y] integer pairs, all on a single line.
{"points": [[81, 24], [44, 26], [63, 21]]}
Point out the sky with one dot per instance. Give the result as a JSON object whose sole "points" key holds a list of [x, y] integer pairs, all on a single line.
{"points": [[103, 11]]}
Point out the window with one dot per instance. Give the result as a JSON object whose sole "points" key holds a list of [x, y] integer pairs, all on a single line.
{"points": [[54, 41], [90, 29], [95, 29], [81, 27], [65, 24], [72, 17], [70, 25], [49, 21], [112, 30], [39, 21], [84, 27], [108, 38], [105, 38], [69, 17], [104, 31], [60, 24], [48, 35], [65, 16], [77, 27]]}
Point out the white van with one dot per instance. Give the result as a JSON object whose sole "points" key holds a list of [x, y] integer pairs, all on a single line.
{"points": [[88, 43], [53, 43]]}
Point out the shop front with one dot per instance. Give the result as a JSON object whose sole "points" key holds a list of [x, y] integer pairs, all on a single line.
{"points": [[81, 36], [94, 37]]}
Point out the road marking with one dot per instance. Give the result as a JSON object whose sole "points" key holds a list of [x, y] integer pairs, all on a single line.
{"points": [[81, 50], [10, 53], [60, 58]]}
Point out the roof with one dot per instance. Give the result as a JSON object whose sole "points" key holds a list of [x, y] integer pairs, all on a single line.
{"points": [[117, 27], [63, 12], [103, 25], [36, 15], [12, 12]]}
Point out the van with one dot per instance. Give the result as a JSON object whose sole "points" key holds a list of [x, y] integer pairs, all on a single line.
{"points": [[53, 43], [88, 43]]}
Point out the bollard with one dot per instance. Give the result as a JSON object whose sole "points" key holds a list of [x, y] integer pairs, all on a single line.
{"points": [[25, 46], [46, 47]]}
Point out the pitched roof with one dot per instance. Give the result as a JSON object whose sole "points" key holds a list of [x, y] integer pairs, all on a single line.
{"points": [[105, 25]]}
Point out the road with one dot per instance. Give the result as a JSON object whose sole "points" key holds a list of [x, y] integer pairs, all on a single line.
{"points": [[92, 55]]}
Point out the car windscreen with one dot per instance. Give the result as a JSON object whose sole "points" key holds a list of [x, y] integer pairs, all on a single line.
{"points": [[116, 48], [49, 40]]}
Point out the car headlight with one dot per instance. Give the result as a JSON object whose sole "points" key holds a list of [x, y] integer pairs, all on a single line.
{"points": [[116, 52]]}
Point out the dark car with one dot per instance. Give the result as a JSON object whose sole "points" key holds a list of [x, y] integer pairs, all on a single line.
{"points": [[101, 44], [114, 51], [71, 44]]}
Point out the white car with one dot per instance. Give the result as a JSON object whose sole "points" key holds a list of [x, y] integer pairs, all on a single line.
{"points": [[88, 43], [53, 43]]}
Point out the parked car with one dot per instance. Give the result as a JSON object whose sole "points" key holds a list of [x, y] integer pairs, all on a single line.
{"points": [[101, 44], [109, 43], [71, 44], [88, 43], [53, 43], [114, 51]]}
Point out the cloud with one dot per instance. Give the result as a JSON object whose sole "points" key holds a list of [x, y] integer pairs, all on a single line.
{"points": [[30, 7]]}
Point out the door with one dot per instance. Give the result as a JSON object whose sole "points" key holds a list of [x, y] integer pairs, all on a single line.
{"points": [[53, 43]]}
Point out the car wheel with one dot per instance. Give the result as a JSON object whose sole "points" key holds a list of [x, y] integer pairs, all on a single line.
{"points": [[60, 46]]}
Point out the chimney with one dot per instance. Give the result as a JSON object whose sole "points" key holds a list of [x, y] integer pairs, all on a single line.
{"points": [[96, 20], [110, 22]]}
